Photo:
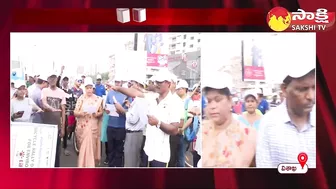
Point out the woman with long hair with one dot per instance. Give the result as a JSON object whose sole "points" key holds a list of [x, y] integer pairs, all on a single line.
{"points": [[225, 141], [88, 111], [252, 116]]}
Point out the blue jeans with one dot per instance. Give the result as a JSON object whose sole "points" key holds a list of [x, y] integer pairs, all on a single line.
{"points": [[182, 148]]}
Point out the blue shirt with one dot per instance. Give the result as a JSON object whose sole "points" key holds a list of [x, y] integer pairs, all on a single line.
{"points": [[100, 90], [245, 122], [117, 122], [203, 104], [263, 106], [77, 92]]}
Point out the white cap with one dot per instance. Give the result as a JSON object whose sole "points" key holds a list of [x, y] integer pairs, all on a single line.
{"points": [[152, 78], [140, 81], [195, 86], [99, 76], [217, 80], [44, 77], [19, 83], [235, 99], [182, 84], [258, 91], [88, 81], [253, 92], [163, 75], [173, 78], [300, 63]]}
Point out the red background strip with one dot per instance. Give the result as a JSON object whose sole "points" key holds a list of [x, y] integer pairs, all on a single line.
{"points": [[154, 17]]}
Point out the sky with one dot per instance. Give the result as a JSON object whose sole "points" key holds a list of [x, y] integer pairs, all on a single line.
{"points": [[281, 51], [68, 49], [74, 49]]}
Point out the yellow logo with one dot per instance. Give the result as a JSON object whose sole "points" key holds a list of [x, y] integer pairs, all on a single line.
{"points": [[278, 19]]}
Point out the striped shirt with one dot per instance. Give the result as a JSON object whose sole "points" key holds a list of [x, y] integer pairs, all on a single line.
{"points": [[279, 141]]}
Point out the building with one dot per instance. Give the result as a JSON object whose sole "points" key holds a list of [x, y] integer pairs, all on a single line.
{"points": [[187, 68], [234, 68], [184, 42]]}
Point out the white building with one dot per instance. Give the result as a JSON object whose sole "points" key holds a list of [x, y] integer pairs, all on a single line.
{"points": [[184, 42]]}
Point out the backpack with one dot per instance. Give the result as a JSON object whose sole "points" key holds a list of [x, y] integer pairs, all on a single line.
{"points": [[191, 131]]}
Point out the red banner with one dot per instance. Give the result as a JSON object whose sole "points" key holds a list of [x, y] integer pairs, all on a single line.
{"points": [[157, 60], [153, 17], [254, 73]]}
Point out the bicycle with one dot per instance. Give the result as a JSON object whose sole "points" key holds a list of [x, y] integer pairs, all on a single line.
{"points": [[72, 132]]}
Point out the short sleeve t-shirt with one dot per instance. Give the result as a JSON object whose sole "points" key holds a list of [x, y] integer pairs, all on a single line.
{"points": [[55, 99], [25, 105], [36, 96], [157, 145]]}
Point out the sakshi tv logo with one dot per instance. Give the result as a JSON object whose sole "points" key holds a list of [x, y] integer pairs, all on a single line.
{"points": [[279, 19]]}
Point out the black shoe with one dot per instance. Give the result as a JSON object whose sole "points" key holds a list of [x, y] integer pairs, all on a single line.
{"points": [[106, 161]]}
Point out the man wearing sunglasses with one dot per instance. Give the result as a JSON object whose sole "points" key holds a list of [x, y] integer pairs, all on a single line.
{"points": [[77, 90]]}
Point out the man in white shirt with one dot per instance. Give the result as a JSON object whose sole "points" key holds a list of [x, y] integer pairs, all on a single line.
{"points": [[32, 87], [136, 120], [150, 95], [290, 128], [163, 119]]}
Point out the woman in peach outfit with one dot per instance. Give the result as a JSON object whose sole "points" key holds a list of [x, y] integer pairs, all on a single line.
{"points": [[88, 111], [225, 141]]}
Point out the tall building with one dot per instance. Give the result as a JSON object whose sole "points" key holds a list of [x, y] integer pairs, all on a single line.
{"points": [[184, 42]]}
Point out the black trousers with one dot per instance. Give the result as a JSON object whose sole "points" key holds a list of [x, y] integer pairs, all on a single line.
{"points": [[143, 155], [174, 150], [58, 151], [106, 148], [196, 158], [65, 137], [155, 163], [116, 139]]}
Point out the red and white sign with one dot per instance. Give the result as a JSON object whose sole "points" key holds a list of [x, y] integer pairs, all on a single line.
{"points": [[254, 73], [194, 64], [157, 60]]}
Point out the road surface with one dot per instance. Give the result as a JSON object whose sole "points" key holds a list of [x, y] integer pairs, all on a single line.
{"points": [[71, 161]]}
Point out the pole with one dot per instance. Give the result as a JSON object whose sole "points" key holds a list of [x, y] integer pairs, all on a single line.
{"points": [[135, 48]]}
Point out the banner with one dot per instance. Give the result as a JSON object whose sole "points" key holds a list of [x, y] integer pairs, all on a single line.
{"points": [[253, 61], [33, 145], [157, 60]]}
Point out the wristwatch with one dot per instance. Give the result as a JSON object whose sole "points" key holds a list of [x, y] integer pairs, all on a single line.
{"points": [[159, 124]]}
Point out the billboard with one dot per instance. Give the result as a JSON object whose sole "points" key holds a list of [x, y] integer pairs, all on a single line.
{"points": [[157, 60], [156, 46], [252, 61]]}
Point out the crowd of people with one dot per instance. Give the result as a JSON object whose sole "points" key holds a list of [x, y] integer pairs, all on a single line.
{"points": [[142, 123], [249, 133]]}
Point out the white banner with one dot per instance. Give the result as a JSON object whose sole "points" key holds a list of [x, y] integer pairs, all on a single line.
{"points": [[33, 145]]}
